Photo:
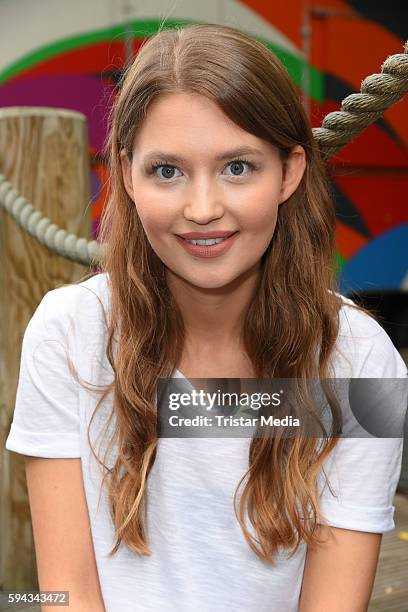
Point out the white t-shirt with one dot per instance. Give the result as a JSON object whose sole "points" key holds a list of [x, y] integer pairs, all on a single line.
{"points": [[200, 559]]}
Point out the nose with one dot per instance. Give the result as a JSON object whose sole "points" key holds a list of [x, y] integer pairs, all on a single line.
{"points": [[204, 203]]}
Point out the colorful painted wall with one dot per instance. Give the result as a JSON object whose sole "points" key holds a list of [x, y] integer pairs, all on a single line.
{"points": [[69, 54]]}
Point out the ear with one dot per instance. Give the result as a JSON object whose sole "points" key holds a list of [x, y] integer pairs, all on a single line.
{"points": [[127, 173], [293, 170]]}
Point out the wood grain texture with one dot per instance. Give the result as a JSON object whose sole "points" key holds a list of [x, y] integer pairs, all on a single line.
{"points": [[44, 154]]}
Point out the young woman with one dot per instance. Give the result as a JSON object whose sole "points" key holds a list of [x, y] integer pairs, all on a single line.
{"points": [[208, 140]]}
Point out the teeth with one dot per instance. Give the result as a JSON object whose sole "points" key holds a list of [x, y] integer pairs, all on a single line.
{"points": [[207, 242]]}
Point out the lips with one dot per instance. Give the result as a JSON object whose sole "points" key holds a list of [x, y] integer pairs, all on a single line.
{"points": [[204, 250], [206, 235]]}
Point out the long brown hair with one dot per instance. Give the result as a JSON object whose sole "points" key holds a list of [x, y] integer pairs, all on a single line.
{"points": [[292, 324]]}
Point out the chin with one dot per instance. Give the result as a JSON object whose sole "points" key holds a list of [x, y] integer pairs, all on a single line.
{"points": [[212, 282], [216, 284], [206, 279]]}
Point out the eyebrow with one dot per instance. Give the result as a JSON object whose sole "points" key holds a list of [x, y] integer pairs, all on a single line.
{"points": [[225, 155]]}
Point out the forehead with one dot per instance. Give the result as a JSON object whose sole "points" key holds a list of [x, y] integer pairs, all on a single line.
{"points": [[190, 122]]}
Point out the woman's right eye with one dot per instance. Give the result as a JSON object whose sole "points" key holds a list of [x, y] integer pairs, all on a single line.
{"points": [[168, 171]]}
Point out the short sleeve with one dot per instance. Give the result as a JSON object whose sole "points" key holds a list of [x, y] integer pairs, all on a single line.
{"points": [[46, 412], [364, 472]]}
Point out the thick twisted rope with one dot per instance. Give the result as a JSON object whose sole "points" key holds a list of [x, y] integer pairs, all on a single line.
{"points": [[58, 240], [378, 93]]}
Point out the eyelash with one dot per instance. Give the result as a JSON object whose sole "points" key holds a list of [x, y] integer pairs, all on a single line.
{"points": [[158, 164]]}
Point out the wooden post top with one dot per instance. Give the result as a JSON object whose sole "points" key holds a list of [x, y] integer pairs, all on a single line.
{"points": [[40, 111]]}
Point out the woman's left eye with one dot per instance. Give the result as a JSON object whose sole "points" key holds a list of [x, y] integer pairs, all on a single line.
{"points": [[236, 166]]}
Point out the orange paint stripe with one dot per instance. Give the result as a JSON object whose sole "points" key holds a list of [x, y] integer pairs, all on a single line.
{"points": [[348, 240], [287, 16]]}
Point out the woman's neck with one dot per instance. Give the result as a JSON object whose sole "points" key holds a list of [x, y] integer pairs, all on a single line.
{"points": [[213, 318]]}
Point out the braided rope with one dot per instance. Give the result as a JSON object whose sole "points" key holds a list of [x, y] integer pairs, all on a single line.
{"points": [[378, 93], [358, 110], [58, 240]]}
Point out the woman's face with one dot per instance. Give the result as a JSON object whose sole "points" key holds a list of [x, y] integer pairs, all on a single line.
{"points": [[195, 171]]}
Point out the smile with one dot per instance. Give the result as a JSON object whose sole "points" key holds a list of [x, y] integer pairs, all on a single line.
{"points": [[207, 242], [210, 247]]}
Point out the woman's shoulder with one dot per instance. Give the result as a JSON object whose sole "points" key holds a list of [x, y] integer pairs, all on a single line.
{"points": [[93, 288], [369, 349], [354, 322], [78, 307], [75, 295]]}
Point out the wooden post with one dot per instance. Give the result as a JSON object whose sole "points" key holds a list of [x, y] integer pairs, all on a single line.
{"points": [[44, 154]]}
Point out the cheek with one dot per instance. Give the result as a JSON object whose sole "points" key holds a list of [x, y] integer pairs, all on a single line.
{"points": [[153, 213], [258, 212]]}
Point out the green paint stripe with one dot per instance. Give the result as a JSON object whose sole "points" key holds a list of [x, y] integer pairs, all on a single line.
{"points": [[293, 64], [139, 28], [339, 262]]}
